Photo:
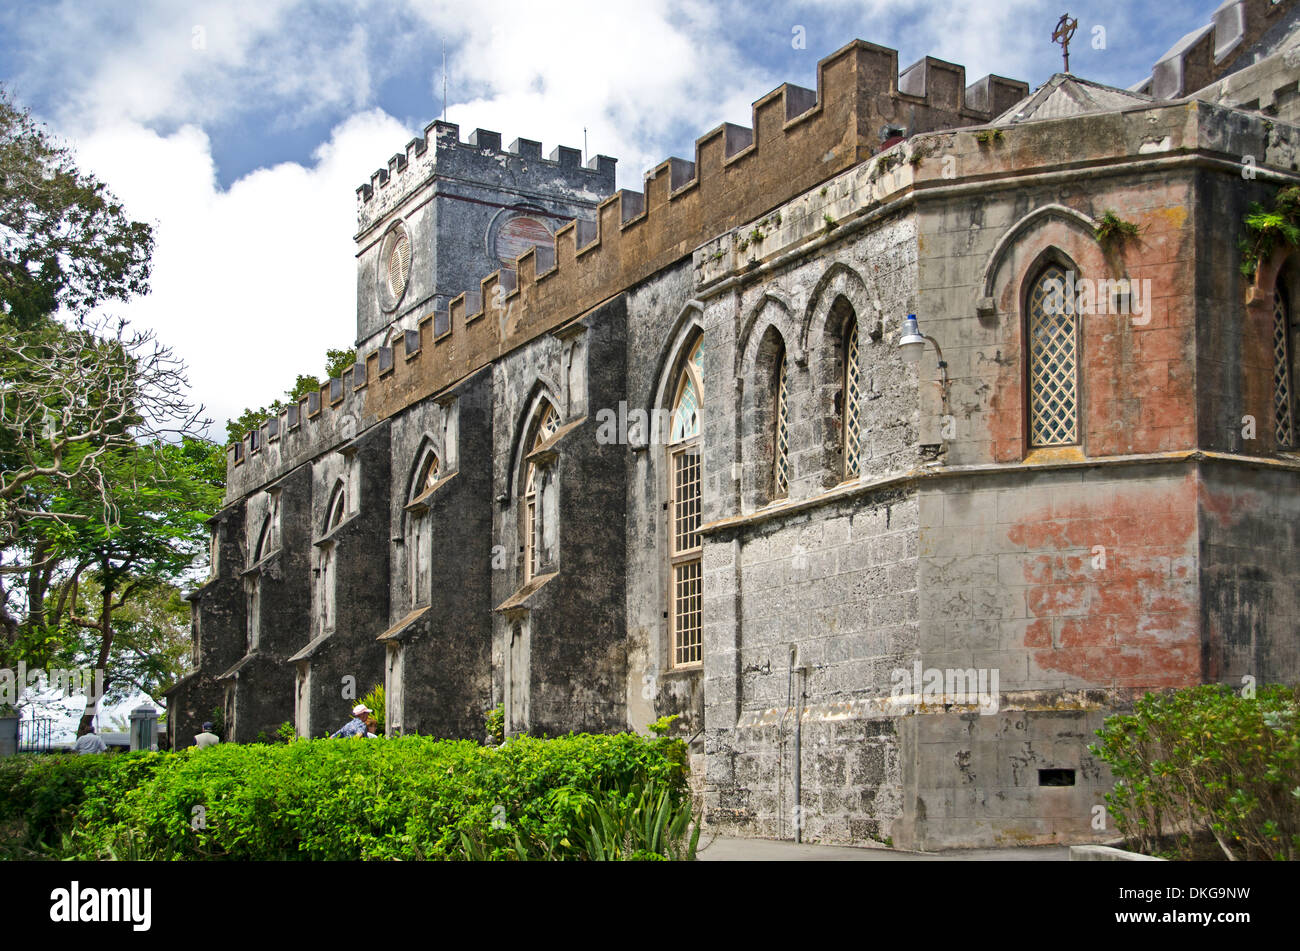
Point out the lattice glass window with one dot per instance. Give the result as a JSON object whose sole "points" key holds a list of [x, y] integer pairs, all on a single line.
{"points": [[685, 475], [549, 425], [686, 410], [1053, 362], [852, 405], [686, 549], [1283, 414], [781, 479]]}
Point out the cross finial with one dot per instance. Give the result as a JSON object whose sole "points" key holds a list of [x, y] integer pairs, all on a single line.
{"points": [[1064, 32]]}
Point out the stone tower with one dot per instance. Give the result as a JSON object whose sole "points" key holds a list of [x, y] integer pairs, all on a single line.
{"points": [[444, 214]]}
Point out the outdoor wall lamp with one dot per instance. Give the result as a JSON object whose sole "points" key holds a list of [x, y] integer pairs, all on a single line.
{"points": [[912, 344]]}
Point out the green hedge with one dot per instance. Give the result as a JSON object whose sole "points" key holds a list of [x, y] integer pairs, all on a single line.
{"points": [[407, 798], [1205, 760]]}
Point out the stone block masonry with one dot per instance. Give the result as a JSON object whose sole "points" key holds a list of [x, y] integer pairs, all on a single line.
{"points": [[912, 612]]}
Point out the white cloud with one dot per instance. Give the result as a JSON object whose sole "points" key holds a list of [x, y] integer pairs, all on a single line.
{"points": [[625, 72], [253, 283], [166, 62]]}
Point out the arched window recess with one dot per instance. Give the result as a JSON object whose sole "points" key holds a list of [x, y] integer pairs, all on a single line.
{"points": [[428, 477]]}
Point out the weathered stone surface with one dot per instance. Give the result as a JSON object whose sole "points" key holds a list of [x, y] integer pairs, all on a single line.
{"points": [[941, 628]]}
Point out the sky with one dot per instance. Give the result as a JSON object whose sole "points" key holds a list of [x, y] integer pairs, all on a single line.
{"points": [[242, 129]]}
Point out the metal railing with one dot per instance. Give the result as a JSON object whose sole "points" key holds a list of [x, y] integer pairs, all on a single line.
{"points": [[34, 735]]}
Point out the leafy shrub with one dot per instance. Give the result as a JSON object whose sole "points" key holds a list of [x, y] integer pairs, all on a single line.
{"points": [[378, 708], [1112, 230], [1202, 759], [407, 798], [494, 721], [41, 797], [1267, 229], [651, 822]]}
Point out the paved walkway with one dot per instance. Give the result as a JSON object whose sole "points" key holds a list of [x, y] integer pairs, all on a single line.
{"points": [[767, 850]]}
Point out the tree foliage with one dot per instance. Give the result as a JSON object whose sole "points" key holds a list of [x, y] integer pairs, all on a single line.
{"points": [[336, 361], [70, 398], [66, 244], [104, 483], [1207, 760], [1268, 229]]}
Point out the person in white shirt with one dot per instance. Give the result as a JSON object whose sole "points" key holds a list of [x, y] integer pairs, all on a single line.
{"points": [[207, 737], [90, 743]]}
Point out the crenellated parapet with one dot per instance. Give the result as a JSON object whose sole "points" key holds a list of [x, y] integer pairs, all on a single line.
{"points": [[798, 138], [1216, 49], [440, 151]]}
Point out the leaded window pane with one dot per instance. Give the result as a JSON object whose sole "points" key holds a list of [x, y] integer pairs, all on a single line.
{"points": [[852, 406], [686, 500], [1053, 362], [430, 474], [1284, 420], [782, 441], [685, 482], [549, 425], [687, 602], [686, 417]]}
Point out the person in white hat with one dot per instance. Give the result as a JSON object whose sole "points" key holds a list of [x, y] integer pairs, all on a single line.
{"points": [[356, 726]]}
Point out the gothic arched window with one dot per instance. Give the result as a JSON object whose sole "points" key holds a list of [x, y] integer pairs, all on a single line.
{"points": [[546, 424], [685, 479], [266, 540], [325, 579], [1053, 384], [338, 508], [781, 433], [1283, 371], [852, 402], [420, 531]]}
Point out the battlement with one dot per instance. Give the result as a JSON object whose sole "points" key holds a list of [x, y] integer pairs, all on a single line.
{"points": [[1207, 54], [798, 139], [440, 150]]}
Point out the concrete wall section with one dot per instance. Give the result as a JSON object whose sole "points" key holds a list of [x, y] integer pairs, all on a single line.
{"points": [[1250, 572]]}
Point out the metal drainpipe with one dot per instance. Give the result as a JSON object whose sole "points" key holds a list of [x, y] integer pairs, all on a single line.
{"points": [[798, 757]]}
